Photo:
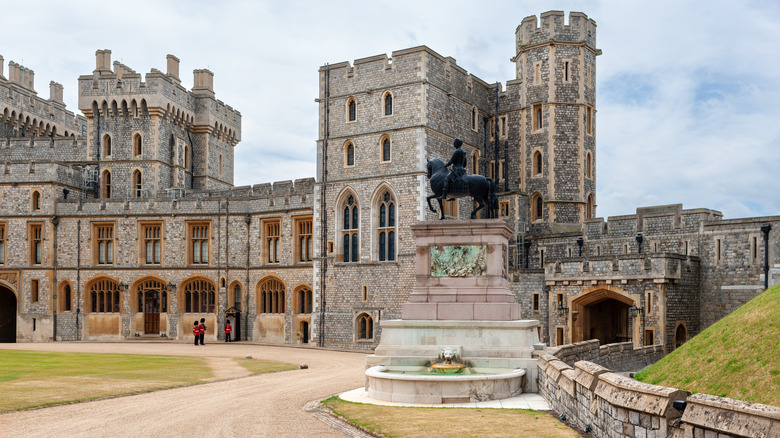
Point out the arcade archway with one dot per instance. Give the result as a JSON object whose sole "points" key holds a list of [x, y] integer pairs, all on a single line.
{"points": [[602, 315], [7, 315]]}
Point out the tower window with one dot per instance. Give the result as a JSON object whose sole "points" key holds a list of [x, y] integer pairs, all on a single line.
{"points": [[388, 98], [350, 230], [537, 163], [474, 114], [537, 205], [386, 229], [385, 149], [351, 109], [589, 120], [137, 145], [349, 154], [106, 145]]}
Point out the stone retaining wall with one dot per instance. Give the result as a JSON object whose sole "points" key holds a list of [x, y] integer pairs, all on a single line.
{"points": [[607, 404]]}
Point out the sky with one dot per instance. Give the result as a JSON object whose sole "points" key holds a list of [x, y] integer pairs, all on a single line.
{"points": [[687, 91]]}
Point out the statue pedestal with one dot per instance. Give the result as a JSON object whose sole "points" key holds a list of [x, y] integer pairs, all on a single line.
{"points": [[461, 272], [461, 301]]}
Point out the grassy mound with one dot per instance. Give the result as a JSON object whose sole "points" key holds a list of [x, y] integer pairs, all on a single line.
{"points": [[737, 357]]}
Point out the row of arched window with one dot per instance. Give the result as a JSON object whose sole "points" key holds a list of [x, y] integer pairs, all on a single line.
{"points": [[197, 296], [385, 151], [383, 221], [351, 108], [23, 125], [538, 164]]}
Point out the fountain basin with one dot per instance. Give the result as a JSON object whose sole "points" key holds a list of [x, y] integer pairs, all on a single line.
{"points": [[447, 368], [388, 384]]}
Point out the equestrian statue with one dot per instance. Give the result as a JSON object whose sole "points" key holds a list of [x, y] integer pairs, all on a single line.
{"points": [[456, 183]]}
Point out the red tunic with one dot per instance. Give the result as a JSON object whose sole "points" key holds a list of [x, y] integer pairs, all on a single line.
{"points": [[228, 328], [195, 330], [202, 329]]}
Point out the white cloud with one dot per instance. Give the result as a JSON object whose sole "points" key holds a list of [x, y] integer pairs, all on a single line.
{"points": [[687, 102]]}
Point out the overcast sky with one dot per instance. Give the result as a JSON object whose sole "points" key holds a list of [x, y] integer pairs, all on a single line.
{"points": [[687, 92]]}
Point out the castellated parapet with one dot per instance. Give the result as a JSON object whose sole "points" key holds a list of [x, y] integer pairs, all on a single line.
{"points": [[24, 114], [554, 29]]}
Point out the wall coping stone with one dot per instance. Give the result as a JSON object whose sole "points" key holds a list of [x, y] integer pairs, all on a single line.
{"points": [[630, 394], [732, 416], [587, 373]]}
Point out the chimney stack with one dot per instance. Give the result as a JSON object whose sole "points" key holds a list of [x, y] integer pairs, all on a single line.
{"points": [[103, 61], [1, 66], [55, 92], [204, 81], [173, 67]]}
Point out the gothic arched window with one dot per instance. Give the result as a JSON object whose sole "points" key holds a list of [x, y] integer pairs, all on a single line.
{"points": [[350, 232], [386, 231]]}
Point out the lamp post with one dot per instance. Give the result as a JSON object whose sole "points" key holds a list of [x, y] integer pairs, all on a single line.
{"points": [[765, 229], [580, 242], [639, 239]]}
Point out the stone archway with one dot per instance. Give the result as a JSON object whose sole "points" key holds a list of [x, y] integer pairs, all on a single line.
{"points": [[8, 306], [602, 315]]}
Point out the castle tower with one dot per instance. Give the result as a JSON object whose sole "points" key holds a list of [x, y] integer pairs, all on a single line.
{"points": [[149, 134], [556, 67]]}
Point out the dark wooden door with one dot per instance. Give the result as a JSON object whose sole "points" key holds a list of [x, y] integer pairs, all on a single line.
{"points": [[152, 312]]}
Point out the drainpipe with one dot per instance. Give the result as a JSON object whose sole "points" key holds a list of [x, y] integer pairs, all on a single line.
{"points": [[54, 221], [323, 214], [245, 298], [765, 229], [78, 277]]}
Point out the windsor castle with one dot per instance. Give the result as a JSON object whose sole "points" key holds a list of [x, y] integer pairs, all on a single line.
{"points": [[123, 222]]}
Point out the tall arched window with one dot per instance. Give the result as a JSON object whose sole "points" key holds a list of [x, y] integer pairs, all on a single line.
{"points": [[303, 298], [237, 296], [104, 297], [67, 298], [537, 207], [105, 184], [271, 296], [364, 326], [137, 145], [137, 187], [351, 109], [388, 103], [350, 230], [199, 297], [385, 146], [475, 163], [349, 154], [106, 145], [474, 114], [589, 208], [186, 157], [386, 228], [537, 163], [36, 200], [588, 165]]}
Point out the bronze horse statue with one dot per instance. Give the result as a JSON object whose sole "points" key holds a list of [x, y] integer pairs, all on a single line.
{"points": [[482, 189]]}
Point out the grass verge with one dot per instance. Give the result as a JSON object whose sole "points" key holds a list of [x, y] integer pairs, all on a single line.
{"points": [[737, 357], [407, 422]]}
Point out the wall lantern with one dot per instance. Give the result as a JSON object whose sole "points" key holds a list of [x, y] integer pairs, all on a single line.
{"points": [[562, 311], [171, 287], [123, 287], [635, 311]]}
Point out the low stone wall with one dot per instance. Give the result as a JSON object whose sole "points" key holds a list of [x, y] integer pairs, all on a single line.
{"points": [[595, 399], [618, 357]]}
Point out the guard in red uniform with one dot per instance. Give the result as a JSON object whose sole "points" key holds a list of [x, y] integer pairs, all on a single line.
{"points": [[228, 330], [202, 329], [196, 332]]}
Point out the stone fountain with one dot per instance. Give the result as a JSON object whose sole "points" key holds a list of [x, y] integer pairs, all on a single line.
{"points": [[460, 308]]}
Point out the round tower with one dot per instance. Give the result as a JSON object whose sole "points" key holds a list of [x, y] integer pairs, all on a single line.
{"points": [[556, 64]]}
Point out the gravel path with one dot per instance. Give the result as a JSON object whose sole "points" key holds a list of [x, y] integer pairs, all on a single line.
{"points": [[264, 405]]}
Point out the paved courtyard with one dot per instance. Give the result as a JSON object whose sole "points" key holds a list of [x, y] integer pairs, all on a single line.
{"points": [[263, 405]]}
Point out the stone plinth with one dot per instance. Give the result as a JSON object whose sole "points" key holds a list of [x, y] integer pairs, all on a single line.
{"points": [[461, 272]]}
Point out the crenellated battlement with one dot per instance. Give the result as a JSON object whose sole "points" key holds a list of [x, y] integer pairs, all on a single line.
{"points": [[553, 27], [123, 91], [651, 220], [25, 114]]}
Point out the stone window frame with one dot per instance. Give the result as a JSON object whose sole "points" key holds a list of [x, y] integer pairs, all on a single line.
{"points": [[364, 327], [35, 290], [588, 119], [35, 243], [270, 295], [145, 228], [475, 162], [353, 231], [137, 144], [303, 238], [65, 302], [103, 239], [186, 157], [385, 142], [106, 187], [566, 64], [350, 112], [303, 300], [474, 118], [537, 163], [192, 227], [503, 209], [588, 165], [537, 118], [139, 288], [492, 126], [718, 250], [589, 206], [503, 127], [35, 200], [384, 196], [501, 171], [136, 182], [220, 165], [347, 157], [103, 296], [536, 215], [536, 303], [651, 331], [106, 146], [537, 73], [560, 335], [677, 325], [385, 95], [649, 302], [231, 294], [3, 245], [451, 208], [271, 240], [756, 248], [206, 292]]}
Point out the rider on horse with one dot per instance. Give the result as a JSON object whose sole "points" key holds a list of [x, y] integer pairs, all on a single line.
{"points": [[458, 162]]}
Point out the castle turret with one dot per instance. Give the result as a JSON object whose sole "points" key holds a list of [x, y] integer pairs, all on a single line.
{"points": [[556, 64]]}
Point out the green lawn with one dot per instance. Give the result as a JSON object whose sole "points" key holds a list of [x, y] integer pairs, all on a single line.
{"points": [[404, 422], [737, 357], [31, 379]]}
